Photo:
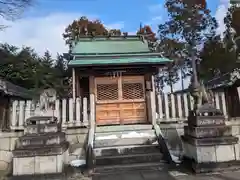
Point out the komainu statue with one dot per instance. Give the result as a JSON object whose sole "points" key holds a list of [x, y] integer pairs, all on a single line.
{"points": [[45, 102], [47, 99], [200, 94], [230, 43]]}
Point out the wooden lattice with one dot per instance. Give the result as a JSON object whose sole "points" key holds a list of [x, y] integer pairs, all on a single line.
{"points": [[132, 91], [107, 92], [120, 100]]}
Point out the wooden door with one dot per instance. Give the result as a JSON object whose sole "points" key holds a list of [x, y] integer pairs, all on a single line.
{"points": [[120, 100]]}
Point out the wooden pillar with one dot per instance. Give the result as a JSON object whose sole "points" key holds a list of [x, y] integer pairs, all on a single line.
{"points": [[74, 84], [224, 105], [92, 112], [151, 98], [153, 107], [153, 84], [238, 90], [148, 100], [92, 118], [78, 94], [91, 85], [153, 101]]}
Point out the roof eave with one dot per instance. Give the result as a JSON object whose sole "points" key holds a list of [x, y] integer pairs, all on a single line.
{"points": [[131, 54], [10, 89], [120, 64], [102, 37]]}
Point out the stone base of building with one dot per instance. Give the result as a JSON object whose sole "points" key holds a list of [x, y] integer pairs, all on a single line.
{"points": [[51, 163], [211, 158]]}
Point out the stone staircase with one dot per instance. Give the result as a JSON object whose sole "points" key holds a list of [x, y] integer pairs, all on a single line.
{"points": [[128, 147]]}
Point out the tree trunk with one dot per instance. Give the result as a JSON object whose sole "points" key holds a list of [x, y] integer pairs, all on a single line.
{"points": [[171, 87], [171, 82], [182, 80]]}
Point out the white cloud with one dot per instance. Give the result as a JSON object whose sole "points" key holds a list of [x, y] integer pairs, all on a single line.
{"points": [[43, 33], [155, 9], [132, 33], [157, 18], [156, 13], [117, 25], [220, 14]]}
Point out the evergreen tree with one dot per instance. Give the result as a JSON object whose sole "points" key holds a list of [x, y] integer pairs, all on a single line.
{"points": [[189, 25]]}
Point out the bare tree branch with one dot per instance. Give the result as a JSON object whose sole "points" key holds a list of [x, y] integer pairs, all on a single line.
{"points": [[13, 9]]}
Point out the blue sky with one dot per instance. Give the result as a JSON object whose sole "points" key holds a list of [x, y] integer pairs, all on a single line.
{"points": [[41, 27], [129, 12]]}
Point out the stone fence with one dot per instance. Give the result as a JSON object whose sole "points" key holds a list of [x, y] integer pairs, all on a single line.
{"points": [[175, 107], [71, 113], [169, 108]]}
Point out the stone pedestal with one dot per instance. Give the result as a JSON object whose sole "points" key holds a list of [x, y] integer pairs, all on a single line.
{"points": [[42, 150], [40, 112], [208, 143]]}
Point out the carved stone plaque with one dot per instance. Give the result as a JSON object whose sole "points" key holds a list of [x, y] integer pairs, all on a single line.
{"points": [[205, 132], [207, 121]]}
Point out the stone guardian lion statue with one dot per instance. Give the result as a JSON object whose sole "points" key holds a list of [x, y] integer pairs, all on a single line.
{"points": [[46, 102], [200, 94], [47, 99]]}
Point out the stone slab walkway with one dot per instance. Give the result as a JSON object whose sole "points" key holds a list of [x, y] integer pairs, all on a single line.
{"points": [[138, 175], [171, 175]]}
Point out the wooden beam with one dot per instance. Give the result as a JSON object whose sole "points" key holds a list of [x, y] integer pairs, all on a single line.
{"points": [[128, 71]]}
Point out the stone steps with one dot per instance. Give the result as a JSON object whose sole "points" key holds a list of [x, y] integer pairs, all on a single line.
{"points": [[126, 150], [130, 167], [125, 142], [129, 159], [125, 134], [117, 149], [124, 138], [123, 128]]}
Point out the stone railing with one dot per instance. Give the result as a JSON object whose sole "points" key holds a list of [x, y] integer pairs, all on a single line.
{"points": [[169, 107], [71, 113], [175, 107]]}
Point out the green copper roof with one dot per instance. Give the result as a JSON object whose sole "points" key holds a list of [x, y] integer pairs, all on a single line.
{"points": [[115, 61], [103, 45]]}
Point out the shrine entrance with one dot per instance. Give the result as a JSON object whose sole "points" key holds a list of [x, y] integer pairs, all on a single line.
{"points": [[120, 100]]}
